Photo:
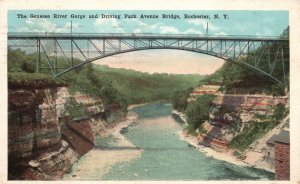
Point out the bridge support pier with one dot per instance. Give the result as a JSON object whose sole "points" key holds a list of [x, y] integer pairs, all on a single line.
{"points": [[38, 56]]}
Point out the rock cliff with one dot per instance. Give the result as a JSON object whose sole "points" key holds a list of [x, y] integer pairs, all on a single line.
{"points": [[48, 129], [35, 146], [230, 114]]}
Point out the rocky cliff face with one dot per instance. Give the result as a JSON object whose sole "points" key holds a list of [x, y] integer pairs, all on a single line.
{"points": [[49, 165], [44, 139], [100, 117], [35, 146], [230, 115]]}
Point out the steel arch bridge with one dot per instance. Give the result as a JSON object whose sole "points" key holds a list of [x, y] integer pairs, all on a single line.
{"points": [[79, 49]]}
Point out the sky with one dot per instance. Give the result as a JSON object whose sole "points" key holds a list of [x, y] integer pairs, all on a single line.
{"points": [[254, 23]]}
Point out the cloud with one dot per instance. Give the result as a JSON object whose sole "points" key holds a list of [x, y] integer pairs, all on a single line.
{"points": [[168, 29], [265, 32], [67, 27], [44, 25], [137, 31], [112, 22], [158, 27], [108, 26], [192, 31], [138, 26], [203, 24], [135, 22], [222, 33], [241, 27]]}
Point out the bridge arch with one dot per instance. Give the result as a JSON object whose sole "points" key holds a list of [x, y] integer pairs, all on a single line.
{"points": [[228, 48], [242, 64]]}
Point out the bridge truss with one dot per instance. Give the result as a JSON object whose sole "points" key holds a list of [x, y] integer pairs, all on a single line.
{"points": [[61, 53]]}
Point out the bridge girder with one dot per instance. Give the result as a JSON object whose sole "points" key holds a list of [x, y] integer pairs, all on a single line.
{"points": [[251, 52]]}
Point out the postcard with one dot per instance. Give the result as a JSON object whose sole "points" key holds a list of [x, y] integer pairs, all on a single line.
{"points": [[141, 91]]}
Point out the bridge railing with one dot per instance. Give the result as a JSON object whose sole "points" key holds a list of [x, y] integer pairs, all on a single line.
{"points": [[137, 35]]}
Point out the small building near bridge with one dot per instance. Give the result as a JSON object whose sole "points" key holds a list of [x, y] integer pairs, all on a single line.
{"points": [[279, 150]]}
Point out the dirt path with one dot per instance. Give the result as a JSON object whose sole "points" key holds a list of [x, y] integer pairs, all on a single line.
{"points": [[255, 155]]}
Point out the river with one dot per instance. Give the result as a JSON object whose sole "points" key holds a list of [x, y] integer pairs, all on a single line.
{"points": [[166, 157]]}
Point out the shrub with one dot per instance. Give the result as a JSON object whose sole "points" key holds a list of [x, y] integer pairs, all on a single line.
{"points": [[255, 130], [197, 112], [179, 99]]}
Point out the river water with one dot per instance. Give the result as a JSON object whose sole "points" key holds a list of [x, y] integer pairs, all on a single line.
{"points": [[166, 157]]}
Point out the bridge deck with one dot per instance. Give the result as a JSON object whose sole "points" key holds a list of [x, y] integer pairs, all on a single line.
{"points": [[45, 35]]}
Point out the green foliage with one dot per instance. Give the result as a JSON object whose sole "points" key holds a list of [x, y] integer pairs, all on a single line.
{"points": [[84, 79], [242, 80], [138, 87], [279, 112], [239, 155], [33, 79], [129, 87], [190, 129], [285, 33], [111, 95], [75, 110], [197, 111], [255, 130], [24, 77], [235, 126], [20, 61], [179, 99]]}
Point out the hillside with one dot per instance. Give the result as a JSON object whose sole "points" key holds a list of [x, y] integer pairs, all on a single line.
{"points": [[113, 85], [141, 87]]}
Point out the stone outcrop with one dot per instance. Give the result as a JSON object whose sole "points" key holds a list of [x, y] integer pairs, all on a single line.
{"points": [[50, 165], [32, 122], [43, 139], [34, 133], [114, 113], [92, 106], [230, 114], [79, 135], [210, 89], [214, 136], [249, 105], [62, 99]]}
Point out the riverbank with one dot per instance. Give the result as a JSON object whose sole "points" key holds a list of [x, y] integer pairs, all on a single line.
{"points": [[115, 157], [166, 157], [224, 156], [209, 152], [132, 106], [181, 115], [98, 162]]}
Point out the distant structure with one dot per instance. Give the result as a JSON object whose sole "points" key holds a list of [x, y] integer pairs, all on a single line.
{"points": [[282, 157]]}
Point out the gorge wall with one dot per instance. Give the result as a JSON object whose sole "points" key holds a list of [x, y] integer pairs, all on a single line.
{"points": [[44, 140], [35, 146], [225, 123]]}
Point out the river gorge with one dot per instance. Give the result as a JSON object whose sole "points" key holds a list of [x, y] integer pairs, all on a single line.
{"points": [[148, 147]]}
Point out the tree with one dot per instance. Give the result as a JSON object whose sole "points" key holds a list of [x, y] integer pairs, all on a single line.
{"points": [[111, 95], [197, 112], [179, 99], [241, 79]]}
